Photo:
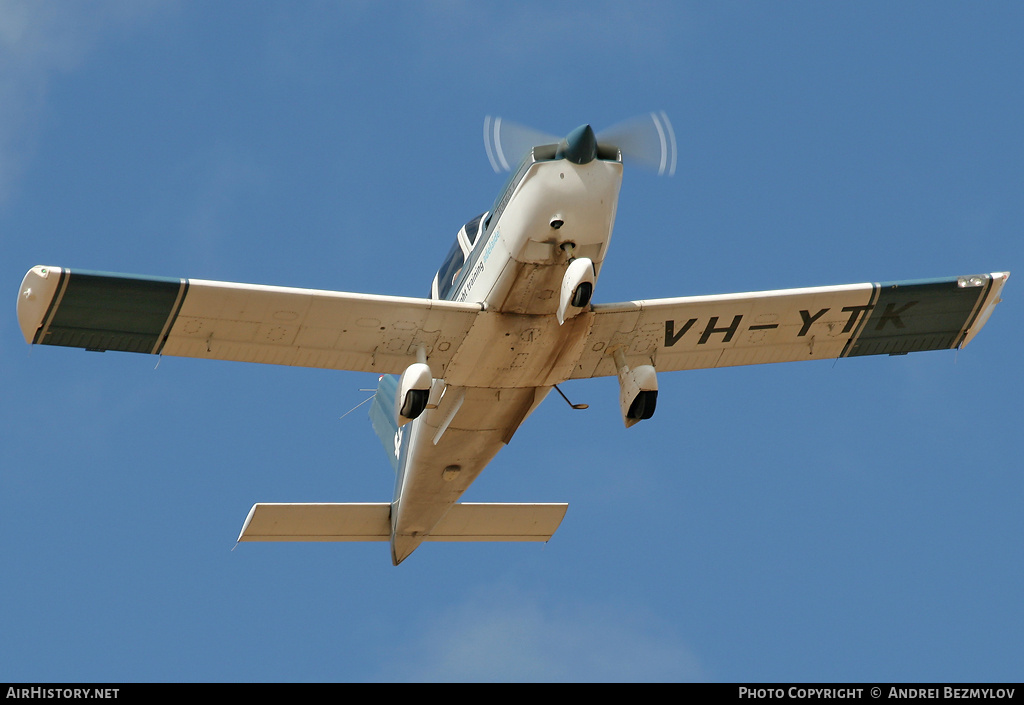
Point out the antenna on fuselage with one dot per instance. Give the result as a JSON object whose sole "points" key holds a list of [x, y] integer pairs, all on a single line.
{"points": [[574, 406]]}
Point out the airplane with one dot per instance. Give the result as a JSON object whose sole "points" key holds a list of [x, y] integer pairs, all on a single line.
{"points": [[510, 316]]}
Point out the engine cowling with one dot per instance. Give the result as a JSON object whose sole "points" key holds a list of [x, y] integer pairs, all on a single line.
{"points": [[413, 392]]}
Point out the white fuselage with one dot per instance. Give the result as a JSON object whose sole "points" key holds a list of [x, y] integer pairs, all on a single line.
{"points": [[517, 350]]}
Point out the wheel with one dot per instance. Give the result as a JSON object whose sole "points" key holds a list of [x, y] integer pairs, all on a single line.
{"points": [[643, 406], [415, 403], [581, 297]]}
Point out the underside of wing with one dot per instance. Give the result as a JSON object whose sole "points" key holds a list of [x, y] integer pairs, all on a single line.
{"points": [[700, 332], [241, 322]]}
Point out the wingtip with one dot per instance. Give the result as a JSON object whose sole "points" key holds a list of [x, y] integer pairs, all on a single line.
{"points": [[37, 291], [245, 525]]}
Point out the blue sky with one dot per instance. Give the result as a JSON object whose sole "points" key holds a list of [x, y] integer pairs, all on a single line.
{"points": [[827, 522]]}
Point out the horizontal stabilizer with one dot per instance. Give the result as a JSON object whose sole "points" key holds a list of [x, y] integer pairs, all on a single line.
{"points": [[371, 522], [499, 522], [366, 521]]}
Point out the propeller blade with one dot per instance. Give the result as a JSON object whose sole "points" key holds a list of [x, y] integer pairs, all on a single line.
{"points": [[507, 142], [646, 139]]}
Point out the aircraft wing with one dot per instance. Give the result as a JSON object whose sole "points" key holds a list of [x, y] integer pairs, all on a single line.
{"points": [[700, 332], [242, 322]]}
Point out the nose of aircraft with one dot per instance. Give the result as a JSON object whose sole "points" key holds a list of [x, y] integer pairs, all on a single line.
{"points": [[579, 146]]}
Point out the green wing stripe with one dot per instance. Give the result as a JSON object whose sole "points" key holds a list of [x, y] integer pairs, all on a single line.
{"points": [[911, 316], [106, 311]]}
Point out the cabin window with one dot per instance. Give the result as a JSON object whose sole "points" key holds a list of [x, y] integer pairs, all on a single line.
{"points": [[473, 229], [450, 270], [456, 258]]}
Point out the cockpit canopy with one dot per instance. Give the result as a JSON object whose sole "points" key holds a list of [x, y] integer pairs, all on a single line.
{"points": [[455, 260]]}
